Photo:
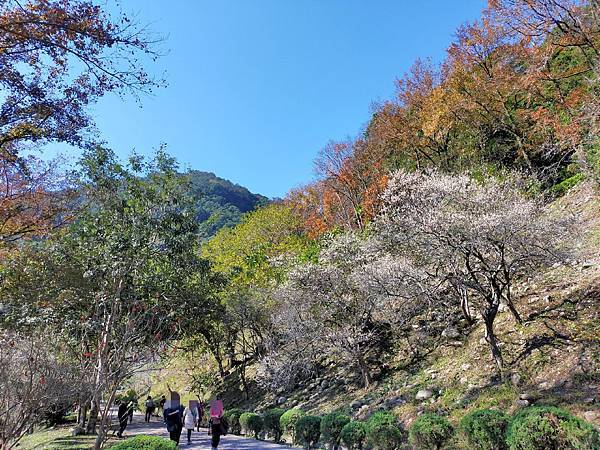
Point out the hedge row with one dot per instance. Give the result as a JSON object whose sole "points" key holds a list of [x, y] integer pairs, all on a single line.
{"points": [[532, 428]]}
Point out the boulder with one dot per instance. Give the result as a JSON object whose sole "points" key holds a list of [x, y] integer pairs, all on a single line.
{"points": [[394, 402], [522, 403], [515, 379], [545, 385], [450, 333], [356, 404], [424, 394], [525, 396], [77, 431], [591, 416], [281, 400], [465, 366]]}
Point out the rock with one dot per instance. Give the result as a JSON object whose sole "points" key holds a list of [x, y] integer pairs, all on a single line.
{"points": [[450, 333], [465, 366], [356, 404], [525, 396], [324, 384], [545, 385], [77, 431], [395, 401], [515, 379], [591, 416], [281, 400], [587, 265], [589, 400], [424, 394], [463, 380], [522, 402]]}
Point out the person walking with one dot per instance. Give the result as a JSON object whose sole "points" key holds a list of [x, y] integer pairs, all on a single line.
{"points": [[123, 416], [218, 425], [174, 418], [149, 404], [161, 405], [190, 420]]}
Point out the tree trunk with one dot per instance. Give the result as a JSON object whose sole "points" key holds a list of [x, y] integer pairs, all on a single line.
{"points": [[95, 408], [490, 337], [364, 370], [82, 413], [464, 305], [244, 380]]}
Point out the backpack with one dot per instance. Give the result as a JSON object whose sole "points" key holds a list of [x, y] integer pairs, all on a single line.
{"points": [[224, 426]]}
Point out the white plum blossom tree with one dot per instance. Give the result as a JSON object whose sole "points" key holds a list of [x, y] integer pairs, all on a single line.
{"points": [[476, 237]]}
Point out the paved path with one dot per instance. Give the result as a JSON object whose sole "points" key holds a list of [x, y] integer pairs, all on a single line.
{"points": [[200, 440]]}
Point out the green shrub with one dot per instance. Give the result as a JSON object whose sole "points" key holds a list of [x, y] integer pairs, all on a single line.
{"points": [[561, 188], [429, 431], [272, 424], [308, 431], [485, 429], [354, 434], [251, 422], [549, 427], [145, 443], [331, 427], [383, 431], [289, 419], [233, 418]]}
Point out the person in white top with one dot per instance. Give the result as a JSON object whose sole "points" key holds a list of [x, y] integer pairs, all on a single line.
{"points": [[190, 419]]}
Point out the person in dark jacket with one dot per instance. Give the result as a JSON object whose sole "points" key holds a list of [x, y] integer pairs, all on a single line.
{"points": [[173, 414], [149, 404], [123, 415]]}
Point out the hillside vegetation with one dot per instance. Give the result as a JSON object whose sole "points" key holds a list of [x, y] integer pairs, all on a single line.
{"points": [[220, 202], [436, 286]]}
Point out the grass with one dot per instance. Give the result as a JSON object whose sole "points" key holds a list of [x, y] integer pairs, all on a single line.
{"points": [[57, 438]]}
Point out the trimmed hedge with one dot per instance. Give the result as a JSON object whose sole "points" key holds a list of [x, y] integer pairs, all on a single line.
{"points": [[289, 419], [549, 427], [354, 435], [308, 431], [233, 418], [331, 427], [383, 431], [429, 431], [145, 443], [251, 422], [271, 422], [485, 429]]}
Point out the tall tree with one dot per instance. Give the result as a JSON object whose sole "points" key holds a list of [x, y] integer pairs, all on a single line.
{"points": [[56, 58]]}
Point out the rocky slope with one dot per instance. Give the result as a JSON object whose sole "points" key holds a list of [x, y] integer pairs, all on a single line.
{"points": [[553, 356]]}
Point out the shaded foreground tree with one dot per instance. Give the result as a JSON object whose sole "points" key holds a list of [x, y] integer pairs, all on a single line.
{"points": [[137, 240], [118, 281], [34, 383], [476, 237]]}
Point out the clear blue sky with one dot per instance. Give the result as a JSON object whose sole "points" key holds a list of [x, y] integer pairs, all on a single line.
{"points": [[257, 87]]}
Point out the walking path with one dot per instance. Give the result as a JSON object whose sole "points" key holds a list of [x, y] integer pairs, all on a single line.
{"points": [[200, 440]]}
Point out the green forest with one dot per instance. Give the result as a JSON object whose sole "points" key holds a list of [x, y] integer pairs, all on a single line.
{"points": [[436, 286]]}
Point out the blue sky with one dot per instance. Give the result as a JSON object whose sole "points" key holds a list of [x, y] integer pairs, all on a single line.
{"points": [[257, 87]]}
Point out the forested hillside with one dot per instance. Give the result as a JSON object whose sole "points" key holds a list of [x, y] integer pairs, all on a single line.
{"points": [[220, 202], [435, 286]]}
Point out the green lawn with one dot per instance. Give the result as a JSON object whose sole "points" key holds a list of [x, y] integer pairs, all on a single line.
{"points": [[57, 438]]}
